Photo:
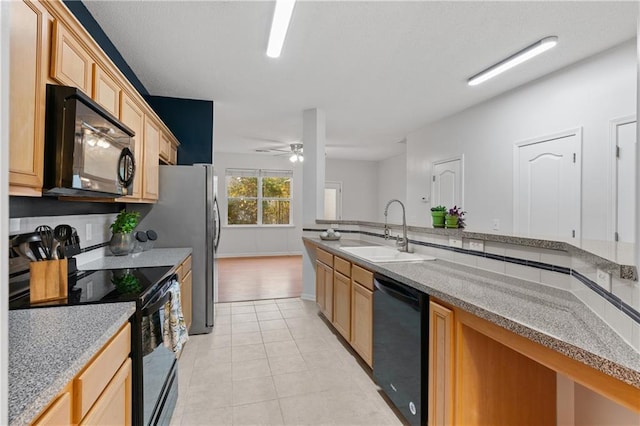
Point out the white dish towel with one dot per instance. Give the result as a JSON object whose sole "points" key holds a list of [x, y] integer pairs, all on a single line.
{"points": [[175, 329]]}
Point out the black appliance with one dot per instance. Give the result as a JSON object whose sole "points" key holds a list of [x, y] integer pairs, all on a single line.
{"points": [[155, 381], [88, 152], [400, 346]]}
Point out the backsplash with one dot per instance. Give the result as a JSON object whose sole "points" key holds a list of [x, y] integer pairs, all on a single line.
{"points": [[93, 230]]}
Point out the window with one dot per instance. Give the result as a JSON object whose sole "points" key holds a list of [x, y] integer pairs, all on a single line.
{"points": [[259, 197]]}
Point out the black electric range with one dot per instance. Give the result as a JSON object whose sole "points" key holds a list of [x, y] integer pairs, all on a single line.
{"points": [[99, 286], [155, 374]]}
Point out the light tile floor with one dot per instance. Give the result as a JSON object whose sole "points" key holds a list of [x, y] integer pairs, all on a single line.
{"points": [[274, 362]]}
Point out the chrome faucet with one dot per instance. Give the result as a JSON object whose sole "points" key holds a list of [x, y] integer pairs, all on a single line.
{"points": [[401, 243]]}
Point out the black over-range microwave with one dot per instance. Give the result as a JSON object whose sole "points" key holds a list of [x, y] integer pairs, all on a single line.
{"points": [[88, 152]]}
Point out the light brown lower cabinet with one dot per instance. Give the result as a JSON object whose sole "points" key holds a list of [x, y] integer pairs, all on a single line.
{"points": [[186, 295], [441, 363], [58, 413], [342, 304], [344, 293], [113, 407], [362, 321], [100, 394], [324, 287]]}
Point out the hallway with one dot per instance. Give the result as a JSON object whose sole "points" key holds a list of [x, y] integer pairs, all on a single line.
{"points": [[258, 278]]}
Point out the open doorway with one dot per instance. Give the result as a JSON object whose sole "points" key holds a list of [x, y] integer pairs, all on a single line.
{"points": [[257, 278], [332, 200]]}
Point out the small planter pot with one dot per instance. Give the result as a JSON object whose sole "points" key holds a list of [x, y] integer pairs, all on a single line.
{"points": [[451, 221], [121, 244], [438, 219]]}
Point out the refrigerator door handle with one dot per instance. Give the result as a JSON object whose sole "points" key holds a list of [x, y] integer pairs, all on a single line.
{"points": [[217, 223]]}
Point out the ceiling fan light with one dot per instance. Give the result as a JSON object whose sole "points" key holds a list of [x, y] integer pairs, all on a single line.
{"points": [[516, 59], [293, 158], [300, 158]]}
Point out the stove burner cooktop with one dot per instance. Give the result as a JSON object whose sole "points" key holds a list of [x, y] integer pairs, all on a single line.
{"points": [[99, 286]]}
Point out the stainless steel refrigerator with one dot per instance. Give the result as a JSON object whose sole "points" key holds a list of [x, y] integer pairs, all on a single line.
{"points": [[186, 215]]}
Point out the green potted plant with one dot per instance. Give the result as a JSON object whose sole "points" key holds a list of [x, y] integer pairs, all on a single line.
{"points": [[122, 238], [455, 218], [437, 216]]}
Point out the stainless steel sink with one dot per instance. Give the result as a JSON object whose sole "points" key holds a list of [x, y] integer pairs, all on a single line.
{"points": [[380, 254]]}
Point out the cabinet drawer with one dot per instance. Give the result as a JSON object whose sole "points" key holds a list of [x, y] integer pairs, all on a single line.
{"points": [[95, 377], [186, 265], [59, 413], [362, 277], [324, 257], [114, 405], [342, 266]]}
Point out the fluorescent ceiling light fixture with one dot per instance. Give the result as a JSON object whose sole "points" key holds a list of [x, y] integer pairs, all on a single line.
{"points": [[279, 25], [516, 59]]}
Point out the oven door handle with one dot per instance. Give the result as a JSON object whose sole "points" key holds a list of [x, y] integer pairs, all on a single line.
{"points": [[151, 309]]}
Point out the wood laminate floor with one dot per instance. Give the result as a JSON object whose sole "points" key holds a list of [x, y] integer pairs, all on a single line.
{"points": [[259, 278]]}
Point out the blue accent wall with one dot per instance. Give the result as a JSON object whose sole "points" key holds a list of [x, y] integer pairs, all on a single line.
{"points": [[191, 121], [91, 25]]}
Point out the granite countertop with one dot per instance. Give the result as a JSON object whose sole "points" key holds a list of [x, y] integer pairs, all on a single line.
{"points": [[551, 317], [49, 346], [614, 257], [151, 258]]}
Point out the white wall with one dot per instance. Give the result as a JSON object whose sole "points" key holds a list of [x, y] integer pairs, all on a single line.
{"points": [[392, 183], [359, 187], [254, 240], [586, 95], [4, 207]]}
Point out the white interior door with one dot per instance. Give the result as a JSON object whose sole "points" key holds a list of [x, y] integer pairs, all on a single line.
{"points": [[446, 185], [547, 187], [625, 138], [332, 200]]}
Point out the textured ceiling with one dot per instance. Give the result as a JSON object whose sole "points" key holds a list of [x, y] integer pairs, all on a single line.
{"points": [[379, 69]]}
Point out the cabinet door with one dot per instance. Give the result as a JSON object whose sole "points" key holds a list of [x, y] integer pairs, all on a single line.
{"points": [[27, 77], [106, 91], [114, 405], [71, 64], [165, 147], [342, 304], [133, 117], [441, 380], [173, 157], [328, 293], [151, 147], [186, 297], [320, 285], [362, 322], [59, 413]]}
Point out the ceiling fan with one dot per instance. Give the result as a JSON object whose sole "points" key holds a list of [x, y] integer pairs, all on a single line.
{"points": [[295, 149]]}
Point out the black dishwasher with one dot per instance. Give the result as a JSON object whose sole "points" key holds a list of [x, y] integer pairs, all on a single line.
{"points": [[400, 346]]}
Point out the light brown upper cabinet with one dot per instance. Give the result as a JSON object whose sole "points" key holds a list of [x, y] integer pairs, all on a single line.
{"points": [[165, 148], [27, 77], [71, 64], [150, 184], [173, 156], [133, 117], [106, 91]]}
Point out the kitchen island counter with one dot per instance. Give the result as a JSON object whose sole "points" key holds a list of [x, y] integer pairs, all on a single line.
{"points": [[549, 316], [49, 346]]}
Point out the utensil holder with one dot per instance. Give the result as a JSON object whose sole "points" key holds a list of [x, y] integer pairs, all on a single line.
{"points": [[48, 280]]}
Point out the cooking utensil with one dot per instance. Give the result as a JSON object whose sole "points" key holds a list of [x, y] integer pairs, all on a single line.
{"points": [[62, 234], [36, 249], [46, 238], [24, 251]]}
